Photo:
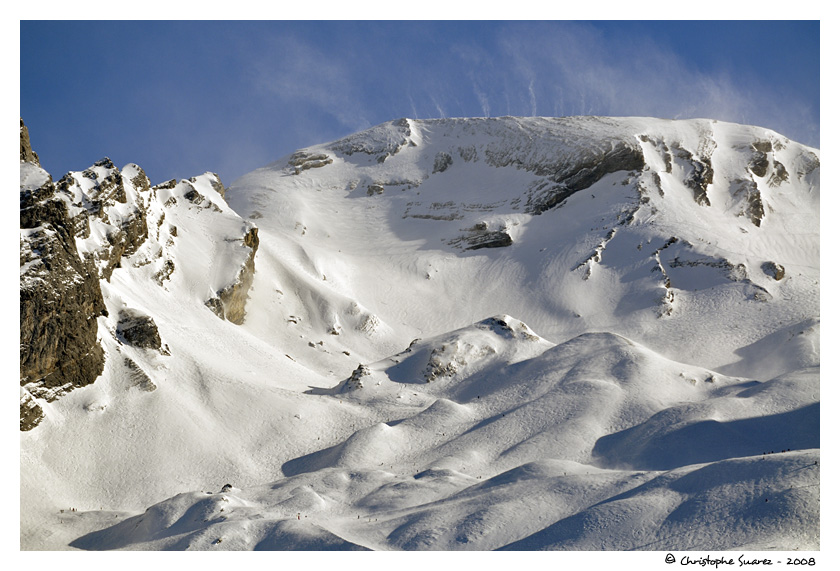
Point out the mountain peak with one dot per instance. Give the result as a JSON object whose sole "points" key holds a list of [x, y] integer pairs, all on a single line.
{"points": [[324, 321]]}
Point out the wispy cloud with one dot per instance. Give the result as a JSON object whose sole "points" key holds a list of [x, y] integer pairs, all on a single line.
{"points": [[297, 74], [413, 107], [574, 69], [441, 112], [537, 68]]}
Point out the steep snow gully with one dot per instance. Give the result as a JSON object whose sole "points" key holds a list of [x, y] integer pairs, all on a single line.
{"points": [[579, 333]]}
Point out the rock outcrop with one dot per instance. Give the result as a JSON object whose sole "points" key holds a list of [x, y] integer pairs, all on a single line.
{"points": [[229, 302], [774, 270], [586, 171], [27, 155], [31, 413], [302, 161], [105, 197], [138, 330], [482, 235], [355, 381], [60, 297], [699, 174], [388, 140], [77, 232]]}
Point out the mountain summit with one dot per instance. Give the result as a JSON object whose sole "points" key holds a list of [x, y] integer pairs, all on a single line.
{"points": [[507, 333], [570, 224]]}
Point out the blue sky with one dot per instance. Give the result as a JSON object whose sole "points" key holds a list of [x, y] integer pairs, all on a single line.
{"points": [[181, 98]]}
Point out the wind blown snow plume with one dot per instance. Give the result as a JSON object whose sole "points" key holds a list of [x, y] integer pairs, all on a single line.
{"points": [[456, 334]]}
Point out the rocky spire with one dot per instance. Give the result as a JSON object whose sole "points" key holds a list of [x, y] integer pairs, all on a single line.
{"points": [[27, 155]]}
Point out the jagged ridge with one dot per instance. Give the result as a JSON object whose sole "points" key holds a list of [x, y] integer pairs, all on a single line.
{"points": [[77, 232]]}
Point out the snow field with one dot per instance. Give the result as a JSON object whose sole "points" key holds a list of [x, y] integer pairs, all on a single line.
{"points": [[601, 424]]}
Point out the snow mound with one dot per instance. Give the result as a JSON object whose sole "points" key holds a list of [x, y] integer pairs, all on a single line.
{"points": [[530, 454], [453, 356], [738, 495]]}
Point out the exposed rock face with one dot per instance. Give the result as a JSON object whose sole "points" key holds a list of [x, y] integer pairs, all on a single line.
{"points": [[442, 162], [138, 329], [699, 176], [508, 328], [497, 239], [229, 302], [77, 232], [100, 195], [138, 377], [581, 175], [483, 236], [164, 273], [779, 175], [392, 137], [375, 189], [754, 207], [302, 161], [759, 164], [60, 297], [31, 413], [595, 256], [27, 155]]}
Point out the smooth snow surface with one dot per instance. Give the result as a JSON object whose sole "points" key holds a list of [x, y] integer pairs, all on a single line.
{"points": [[429, 361]]}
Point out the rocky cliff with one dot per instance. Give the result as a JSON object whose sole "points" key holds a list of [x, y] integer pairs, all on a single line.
{"points": [[60, 297], [229, 302], [74, 234]]}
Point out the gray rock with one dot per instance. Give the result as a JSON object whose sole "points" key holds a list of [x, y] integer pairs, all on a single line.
{"points": [[481, 236], [60, 299], [138, 329], [355, 381], [96, 201], [699, 177], [387, 140], [754, 208], [779, 175], [583, 173], [759, 164], [166, 270], [302, 161], [442, 162], [762, 146], [194, 196], [166, 185]]}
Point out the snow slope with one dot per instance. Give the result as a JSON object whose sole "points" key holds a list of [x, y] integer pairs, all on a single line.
{"points": [[384, 391]]}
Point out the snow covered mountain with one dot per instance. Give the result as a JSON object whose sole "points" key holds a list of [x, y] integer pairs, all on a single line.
{"points": [[511, 333]]}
